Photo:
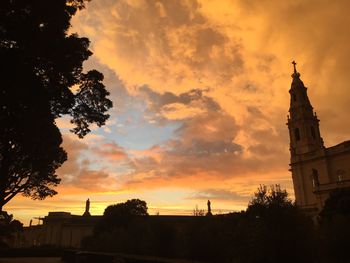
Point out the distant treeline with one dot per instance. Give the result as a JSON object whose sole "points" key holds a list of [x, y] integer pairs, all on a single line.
{"points": [[272, 229]]}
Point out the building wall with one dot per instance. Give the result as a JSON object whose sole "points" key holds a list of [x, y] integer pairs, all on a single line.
{"points": [[59, 230], [72, 235], [302, 175], [31, 236], [68, 232], [333, 168]]}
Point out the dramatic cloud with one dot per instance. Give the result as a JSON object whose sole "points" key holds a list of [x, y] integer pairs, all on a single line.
{"points": [[168, 106], [205, 145], [167, 45], [88, 164], [110, 151], [74, 147]]}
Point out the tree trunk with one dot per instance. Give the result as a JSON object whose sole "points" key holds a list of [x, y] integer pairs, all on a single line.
{"points": [[4, 175]]}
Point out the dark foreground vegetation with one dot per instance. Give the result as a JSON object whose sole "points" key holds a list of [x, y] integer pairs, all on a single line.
{"points": [[46, 255], [272, 229], [9, 228]]}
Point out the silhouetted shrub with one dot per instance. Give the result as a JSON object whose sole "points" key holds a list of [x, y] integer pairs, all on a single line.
{"points": [[334, 229], [8, 228]]}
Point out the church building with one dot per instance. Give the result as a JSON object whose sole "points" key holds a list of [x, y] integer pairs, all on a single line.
{"points": [[316, 170]]}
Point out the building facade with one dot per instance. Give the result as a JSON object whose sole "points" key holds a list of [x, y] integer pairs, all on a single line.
{"points": [[316, 169], [59, 229]]}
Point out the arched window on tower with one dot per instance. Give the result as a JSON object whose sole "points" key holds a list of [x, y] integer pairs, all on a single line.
{"points": [[297, 134], [313, 133], [340, 174], [294, 97], [314, 177]]}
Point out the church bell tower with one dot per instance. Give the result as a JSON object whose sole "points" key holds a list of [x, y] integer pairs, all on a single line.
{"points": [[316, 170], [303, 124]]}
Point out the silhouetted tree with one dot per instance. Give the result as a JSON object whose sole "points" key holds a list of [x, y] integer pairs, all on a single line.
{"points": [[198, 212], [42, 79], [278, 230], [268, 200], [119, 215]]}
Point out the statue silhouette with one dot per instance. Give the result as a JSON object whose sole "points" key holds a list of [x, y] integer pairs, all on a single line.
{"points": [[87, 208], [209, 208]]}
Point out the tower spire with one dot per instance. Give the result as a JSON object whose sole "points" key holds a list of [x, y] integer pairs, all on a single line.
{"points": [[303, 123]]}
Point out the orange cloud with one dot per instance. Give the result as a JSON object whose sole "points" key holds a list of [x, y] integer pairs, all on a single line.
{"points": [[110, 151]]}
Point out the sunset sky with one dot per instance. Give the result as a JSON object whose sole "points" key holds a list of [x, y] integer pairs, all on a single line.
{"points": [[200, 93]]}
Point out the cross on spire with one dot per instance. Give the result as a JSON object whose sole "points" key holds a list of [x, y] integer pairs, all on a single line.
{"points": [[294, 65], [295, 73]]}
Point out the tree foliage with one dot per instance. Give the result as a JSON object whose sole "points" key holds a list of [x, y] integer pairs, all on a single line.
{"points": [[42, 79], [267, 200], [119, 215], [275, 224], [198, 212]]}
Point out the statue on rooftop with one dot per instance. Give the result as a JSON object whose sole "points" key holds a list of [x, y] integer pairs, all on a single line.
{"points": [[87, 208], [209, 209]]}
